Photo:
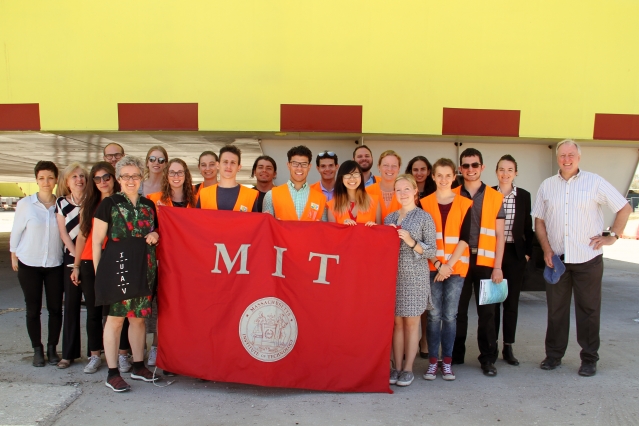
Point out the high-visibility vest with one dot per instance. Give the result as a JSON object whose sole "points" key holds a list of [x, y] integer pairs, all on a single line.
{"points": [[487, 237], [157, 197], [284, 208], [317, 186], [376, 191], [447, 239], [369, 215], [244, 203]]}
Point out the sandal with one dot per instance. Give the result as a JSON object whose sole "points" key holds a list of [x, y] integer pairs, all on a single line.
{"points": [[64, 363]]}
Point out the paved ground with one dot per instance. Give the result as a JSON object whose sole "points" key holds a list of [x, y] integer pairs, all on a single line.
{"points": [[518, 395]]}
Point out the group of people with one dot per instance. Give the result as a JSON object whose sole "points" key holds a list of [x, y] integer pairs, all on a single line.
{"points": [[454, 233]]}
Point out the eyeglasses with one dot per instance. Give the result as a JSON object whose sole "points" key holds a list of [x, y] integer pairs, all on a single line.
{"points": [[160, 160], [179, 173], [130, 177], [326, 153], [353, 176], [113, 156], [103, 178], [467, 166], [296, 164]]}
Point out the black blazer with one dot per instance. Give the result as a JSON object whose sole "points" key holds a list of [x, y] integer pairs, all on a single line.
{"points": [[522, 225]]}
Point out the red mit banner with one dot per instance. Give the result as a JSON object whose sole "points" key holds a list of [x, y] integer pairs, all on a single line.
{"points": [[249, 299]]}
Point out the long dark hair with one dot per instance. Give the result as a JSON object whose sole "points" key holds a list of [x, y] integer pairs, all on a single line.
{"points": [[187, 186], [94, 196], [429, 184], [362, 199]]}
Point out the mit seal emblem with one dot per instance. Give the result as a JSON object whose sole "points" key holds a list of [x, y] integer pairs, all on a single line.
{"points": [[268, 329]]}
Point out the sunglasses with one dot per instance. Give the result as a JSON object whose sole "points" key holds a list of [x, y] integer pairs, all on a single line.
{"points": [[103, 178], [326, 153], [160, 160], [469, 165]]}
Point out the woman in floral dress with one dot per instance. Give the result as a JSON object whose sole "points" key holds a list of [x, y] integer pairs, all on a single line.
{"points": [[120, 216]]}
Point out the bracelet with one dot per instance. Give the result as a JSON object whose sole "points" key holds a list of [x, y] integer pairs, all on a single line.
{"points": [[76, 266], [497, 269], [414, 245]]}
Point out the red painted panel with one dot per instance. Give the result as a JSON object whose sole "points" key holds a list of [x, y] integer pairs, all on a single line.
{"points": [[19, 116], [480, 122], [321, 118], [160, 116], [621, 127]]}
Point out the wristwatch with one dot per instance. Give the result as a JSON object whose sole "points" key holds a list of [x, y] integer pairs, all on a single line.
{"points": [[612, 234]]}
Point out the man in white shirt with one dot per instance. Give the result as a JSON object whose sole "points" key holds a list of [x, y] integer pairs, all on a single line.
{"points": [[569, 223]]}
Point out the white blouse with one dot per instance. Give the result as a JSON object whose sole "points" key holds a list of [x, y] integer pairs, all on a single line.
{"points": [[35, 237]]}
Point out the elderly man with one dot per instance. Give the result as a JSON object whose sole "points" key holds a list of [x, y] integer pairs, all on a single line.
{"points": [[569, 223]]}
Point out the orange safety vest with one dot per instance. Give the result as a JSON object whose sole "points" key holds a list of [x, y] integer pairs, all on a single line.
{"points": [[244, 203], [156, 197], [447, 239], [376, 191], [487, 237], [369, 215], [284, 208]]}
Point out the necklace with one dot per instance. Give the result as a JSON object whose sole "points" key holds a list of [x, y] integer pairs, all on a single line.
{"points": [[47, 203], [76, 203]]}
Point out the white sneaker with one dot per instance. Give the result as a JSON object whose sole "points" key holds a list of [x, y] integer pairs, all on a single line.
{"points": [[123, 363], [153, 354], [93, 365]]}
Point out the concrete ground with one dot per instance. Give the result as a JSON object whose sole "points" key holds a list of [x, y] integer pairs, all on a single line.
{"points": [[518, 395]]}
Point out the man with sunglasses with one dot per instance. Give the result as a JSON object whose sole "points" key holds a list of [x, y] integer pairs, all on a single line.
{"points": [[364, 157], [228, 194], [327, 165], [112, 153], [486, 242], [296, 200]]}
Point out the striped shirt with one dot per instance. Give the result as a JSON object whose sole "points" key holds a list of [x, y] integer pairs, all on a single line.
{"points": [[71, 214], [571, 210], [299, 196], [509, 209]]}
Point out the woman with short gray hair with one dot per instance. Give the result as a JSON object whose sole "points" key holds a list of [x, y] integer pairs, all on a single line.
{"points": [[130, 223]]}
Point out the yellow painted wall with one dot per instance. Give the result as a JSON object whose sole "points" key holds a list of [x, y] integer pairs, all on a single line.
{"points": [[557, 61]]}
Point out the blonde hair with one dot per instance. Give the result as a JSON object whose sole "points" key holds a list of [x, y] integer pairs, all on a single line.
{"points": [[148, 154], [387, 154], [63, 187], [412, 182]]}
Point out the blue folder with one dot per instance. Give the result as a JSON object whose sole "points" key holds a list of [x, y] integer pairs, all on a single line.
{"points": [[489, 292]]}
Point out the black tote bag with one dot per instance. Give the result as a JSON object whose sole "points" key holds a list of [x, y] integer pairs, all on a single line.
{"points": [[121, 273]]}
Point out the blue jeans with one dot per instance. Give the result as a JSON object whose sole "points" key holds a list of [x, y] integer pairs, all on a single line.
{"points": [[442, 319]]}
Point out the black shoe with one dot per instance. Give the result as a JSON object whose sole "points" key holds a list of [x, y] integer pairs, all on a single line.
{"points": [[550, 363], [38, 356], [168, 373], [458, 361], [489, 369], [52, 354], [507, 353], [423, 355], [588, 369]]}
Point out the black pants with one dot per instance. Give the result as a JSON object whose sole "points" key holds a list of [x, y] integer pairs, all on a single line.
{"points": [[71, 324], [94, 313], [32, 279], [513, 268], [585, 279], [486, 336]]}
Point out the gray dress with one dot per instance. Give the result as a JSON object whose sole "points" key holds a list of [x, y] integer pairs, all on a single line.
{"points": [[413, 275]]}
